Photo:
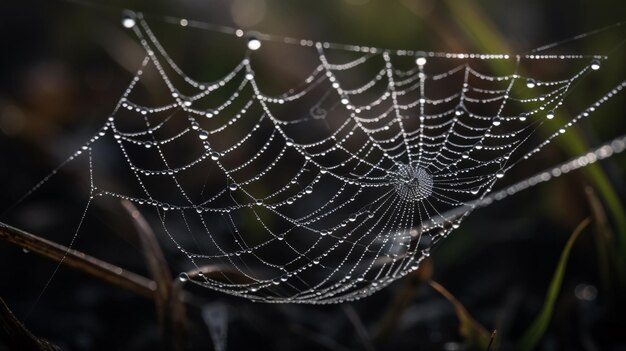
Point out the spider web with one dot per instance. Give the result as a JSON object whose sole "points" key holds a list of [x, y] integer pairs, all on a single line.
{"points": [[341, 185]]}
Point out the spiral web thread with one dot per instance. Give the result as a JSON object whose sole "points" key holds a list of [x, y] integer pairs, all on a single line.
{"points": [[334, 189]]}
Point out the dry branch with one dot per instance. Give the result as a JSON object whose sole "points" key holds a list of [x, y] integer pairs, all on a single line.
{"points": [[80, 261]]}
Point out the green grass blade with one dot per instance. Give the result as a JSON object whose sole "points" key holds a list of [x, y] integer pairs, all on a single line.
{"points": [[538, 328], [485, 36]]}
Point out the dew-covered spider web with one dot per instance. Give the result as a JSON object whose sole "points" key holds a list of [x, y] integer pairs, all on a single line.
{"points": [[341, 184]]}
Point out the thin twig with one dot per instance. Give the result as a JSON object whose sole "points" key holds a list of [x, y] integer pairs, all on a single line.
{"points": [[80, 261], [170, 307], [493, 337], [405, 296], [469, 328], [15, 336]]}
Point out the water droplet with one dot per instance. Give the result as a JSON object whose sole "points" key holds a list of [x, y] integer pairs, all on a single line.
{"points": [[233, 186], [550, 115], [249, 76], [499, 175], [254, 43], [129, 19], [215, 155], [595, 64], [531, 83], [352, 218], [183, 277], [203, 135], [25, 251], [458, 111], [289, 142], [308, 189], [420, 60], [586, 292]]}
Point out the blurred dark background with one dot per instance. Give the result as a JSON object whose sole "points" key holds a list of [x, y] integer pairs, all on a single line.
{"points": [[64, 65]]}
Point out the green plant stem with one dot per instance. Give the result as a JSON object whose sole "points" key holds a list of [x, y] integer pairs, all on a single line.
{"points": [[537, 329]]}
